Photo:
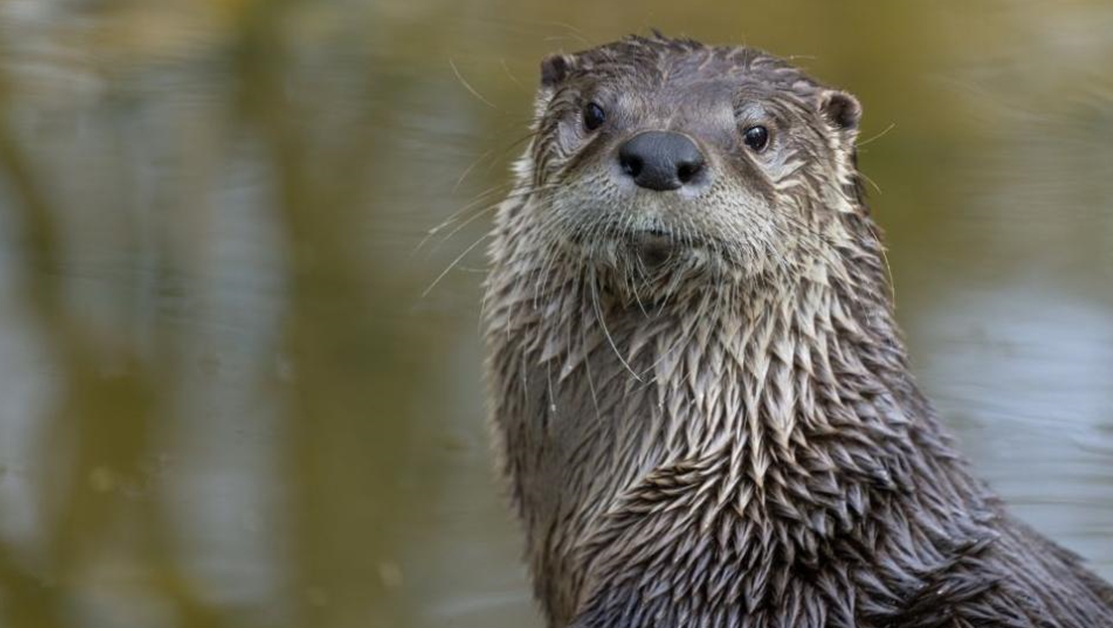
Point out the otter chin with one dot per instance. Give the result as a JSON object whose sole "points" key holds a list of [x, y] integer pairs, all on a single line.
{"points": [[703, 405], [654, 248]]}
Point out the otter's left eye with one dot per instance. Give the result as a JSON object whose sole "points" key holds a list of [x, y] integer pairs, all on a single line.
{"points": [[594, 116], [756, 137]]}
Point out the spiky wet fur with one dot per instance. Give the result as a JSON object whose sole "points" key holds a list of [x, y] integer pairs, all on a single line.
{"points": [[734, 439]]}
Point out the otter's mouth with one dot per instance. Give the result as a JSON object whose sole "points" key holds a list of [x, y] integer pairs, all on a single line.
{"points": [[654, 248]]}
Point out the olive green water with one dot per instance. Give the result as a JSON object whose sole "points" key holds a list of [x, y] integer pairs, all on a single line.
{"points": [[234, 393]]}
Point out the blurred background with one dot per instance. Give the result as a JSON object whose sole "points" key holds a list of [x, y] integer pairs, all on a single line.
{"points": [[240, 381]]}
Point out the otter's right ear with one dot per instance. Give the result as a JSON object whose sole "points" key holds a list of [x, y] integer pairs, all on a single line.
{"points": [[554, 68]]}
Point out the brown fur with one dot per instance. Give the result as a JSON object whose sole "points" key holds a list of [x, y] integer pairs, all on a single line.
{"points": [[731, 437]]}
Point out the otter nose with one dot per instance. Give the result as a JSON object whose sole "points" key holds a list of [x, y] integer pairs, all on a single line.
{"points": [[661, 160]]}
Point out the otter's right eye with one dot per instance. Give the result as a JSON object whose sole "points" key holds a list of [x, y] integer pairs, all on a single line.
{"points": [[594, 116], [756, 137]]}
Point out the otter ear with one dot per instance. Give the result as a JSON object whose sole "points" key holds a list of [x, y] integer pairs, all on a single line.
{"points": [[843, 112], [554, 68], [841, 109]]}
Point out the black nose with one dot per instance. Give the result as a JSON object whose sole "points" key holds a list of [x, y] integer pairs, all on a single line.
{"points": [[660, 160]]}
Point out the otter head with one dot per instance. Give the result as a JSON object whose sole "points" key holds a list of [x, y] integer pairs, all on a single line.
{"points": [[662, 162]]}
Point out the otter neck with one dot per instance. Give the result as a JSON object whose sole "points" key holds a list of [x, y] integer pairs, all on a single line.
{"points": [[765, 369], [769, 383]]}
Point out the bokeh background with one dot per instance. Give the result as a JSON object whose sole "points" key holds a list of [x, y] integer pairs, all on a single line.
{"points": [[240, 381]]}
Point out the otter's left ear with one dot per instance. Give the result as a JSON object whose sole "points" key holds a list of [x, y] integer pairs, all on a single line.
{"points": [[840, 109], [843, 113]]}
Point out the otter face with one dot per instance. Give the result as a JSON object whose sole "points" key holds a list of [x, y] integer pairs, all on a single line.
{"points": [[658, 157]]}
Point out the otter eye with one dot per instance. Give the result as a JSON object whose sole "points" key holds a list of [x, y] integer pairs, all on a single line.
{"points": [[594, 116], [756, 137]]}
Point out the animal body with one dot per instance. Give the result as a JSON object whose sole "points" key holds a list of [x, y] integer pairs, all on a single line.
{"points": [[703, 404]]}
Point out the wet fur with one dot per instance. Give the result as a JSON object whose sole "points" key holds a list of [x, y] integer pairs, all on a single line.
{"points": [[733, 438]]}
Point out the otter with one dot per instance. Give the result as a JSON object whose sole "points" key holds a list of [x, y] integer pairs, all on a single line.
{"points": [[702, 401]]}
